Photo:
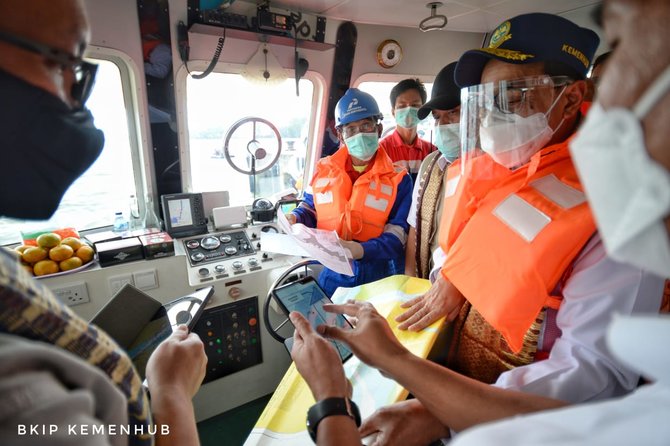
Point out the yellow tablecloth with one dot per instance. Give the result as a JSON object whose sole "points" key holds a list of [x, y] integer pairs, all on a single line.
{"points": [[283, 420]]}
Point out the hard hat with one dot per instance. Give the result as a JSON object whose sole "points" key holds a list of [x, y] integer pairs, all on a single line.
{"points": [[355, 105]]}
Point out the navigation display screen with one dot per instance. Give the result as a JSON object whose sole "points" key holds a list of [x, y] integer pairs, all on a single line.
{"points": [[180, 212], [306, 297]]}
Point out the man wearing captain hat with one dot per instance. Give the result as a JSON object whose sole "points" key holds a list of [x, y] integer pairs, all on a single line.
{"points": [[526, 276]]}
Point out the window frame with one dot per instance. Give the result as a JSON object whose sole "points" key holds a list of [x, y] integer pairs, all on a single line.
{"points": [[136, 119], [316, 121]]}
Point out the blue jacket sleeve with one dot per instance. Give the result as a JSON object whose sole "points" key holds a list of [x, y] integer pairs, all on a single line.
{"points": [[390, 245], [305, 212]]}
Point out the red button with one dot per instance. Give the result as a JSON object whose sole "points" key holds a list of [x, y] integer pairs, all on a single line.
{"points": [[252, 321]]}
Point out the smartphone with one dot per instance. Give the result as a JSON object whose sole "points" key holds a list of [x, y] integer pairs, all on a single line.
{"points": [[307, 298]]}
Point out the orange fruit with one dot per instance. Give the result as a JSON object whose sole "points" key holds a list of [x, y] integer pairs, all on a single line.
{"points": [[72, 242], [34, 254], [85, 253], [71, 263], [44, 267], [22, 248], [60, 253], [48, 240]]}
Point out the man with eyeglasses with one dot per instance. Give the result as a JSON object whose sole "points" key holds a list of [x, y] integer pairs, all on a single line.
{"points": [[359, 193], [56, 370], [526, 280]]}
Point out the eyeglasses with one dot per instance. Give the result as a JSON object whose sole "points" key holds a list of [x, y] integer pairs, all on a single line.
{"points": [[84, 72], [367, 127], [511, 96]]}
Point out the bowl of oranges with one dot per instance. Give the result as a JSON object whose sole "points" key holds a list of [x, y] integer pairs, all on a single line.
{"points": [[51, 254]]}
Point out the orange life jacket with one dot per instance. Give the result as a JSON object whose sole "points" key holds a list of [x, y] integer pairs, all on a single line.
{"points": [[357, 211], [510, 236]]}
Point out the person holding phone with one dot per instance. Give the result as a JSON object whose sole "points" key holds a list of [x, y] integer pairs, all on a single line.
{"points": [[361, 195]]}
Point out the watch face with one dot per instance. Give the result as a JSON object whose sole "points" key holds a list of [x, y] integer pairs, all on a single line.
{"points": [[389, 53]]}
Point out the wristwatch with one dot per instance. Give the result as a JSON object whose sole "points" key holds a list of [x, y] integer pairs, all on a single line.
{"points": [[328, 407]]}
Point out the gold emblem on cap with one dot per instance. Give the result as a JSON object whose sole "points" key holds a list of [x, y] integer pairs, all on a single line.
{"points": [[500, 35], [507, 54]]}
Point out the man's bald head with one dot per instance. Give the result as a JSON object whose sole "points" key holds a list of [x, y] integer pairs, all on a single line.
{"points": [[60, 24]]}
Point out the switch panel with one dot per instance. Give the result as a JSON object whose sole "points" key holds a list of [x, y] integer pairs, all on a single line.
{"points": [[146, 280], [117, 282], [232, 338]]}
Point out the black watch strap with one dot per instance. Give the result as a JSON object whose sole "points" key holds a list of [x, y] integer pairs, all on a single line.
{"points": [[328, 407]]}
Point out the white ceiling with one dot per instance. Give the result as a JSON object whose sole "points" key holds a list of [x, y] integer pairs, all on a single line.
{"points": [[463, 15]]}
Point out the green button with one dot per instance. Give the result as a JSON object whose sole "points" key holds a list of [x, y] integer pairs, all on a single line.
{"points": [[253, 340], [218, 340], [218, 350]]}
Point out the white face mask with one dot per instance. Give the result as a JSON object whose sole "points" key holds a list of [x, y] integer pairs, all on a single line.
{"points": [[511, 139], [628, 191]]}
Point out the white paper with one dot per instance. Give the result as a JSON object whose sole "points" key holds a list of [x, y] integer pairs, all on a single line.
{"points": [[319, 244], [281, 244]]}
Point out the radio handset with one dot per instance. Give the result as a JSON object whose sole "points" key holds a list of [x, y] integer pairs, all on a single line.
{"points": [[182, 38]]}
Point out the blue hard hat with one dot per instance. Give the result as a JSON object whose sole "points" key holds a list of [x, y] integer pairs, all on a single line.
{"points": [[355, 105]]}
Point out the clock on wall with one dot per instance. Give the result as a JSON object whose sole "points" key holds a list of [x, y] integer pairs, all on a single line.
{"points": [[389, 53]]}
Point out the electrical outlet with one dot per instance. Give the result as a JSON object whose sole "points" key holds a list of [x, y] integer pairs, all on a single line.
{"points": [[72, 293]]}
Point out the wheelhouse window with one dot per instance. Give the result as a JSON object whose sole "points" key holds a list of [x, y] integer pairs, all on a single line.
{"points": [[106, 186], [233, 126], [381, 91]]}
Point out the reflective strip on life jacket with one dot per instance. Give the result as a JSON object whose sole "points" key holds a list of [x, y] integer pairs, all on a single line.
{"points": [[557, 191], [521, 217], [323, 197]]}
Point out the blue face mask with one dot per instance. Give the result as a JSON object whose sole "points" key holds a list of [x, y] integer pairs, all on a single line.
{"points": [[362, 145], [448, 140], [407, 117]]}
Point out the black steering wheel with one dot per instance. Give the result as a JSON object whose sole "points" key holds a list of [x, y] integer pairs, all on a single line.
{"points": [[261, 149], [277, 325]]}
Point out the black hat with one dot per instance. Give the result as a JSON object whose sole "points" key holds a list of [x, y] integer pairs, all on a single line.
{"points": [[528, 38], [445, 94]]}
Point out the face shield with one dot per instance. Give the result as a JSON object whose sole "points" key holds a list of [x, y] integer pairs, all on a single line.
{"points": [[507, 121]]}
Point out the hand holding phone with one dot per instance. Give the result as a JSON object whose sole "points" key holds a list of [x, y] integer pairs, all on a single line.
{"points": [[317, 361], [307, 298]]}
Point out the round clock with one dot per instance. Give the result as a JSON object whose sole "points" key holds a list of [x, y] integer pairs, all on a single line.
{"points": [[389, 53]]}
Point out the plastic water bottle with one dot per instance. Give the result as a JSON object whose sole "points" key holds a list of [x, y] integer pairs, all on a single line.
{"points": [[120, 223]]}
